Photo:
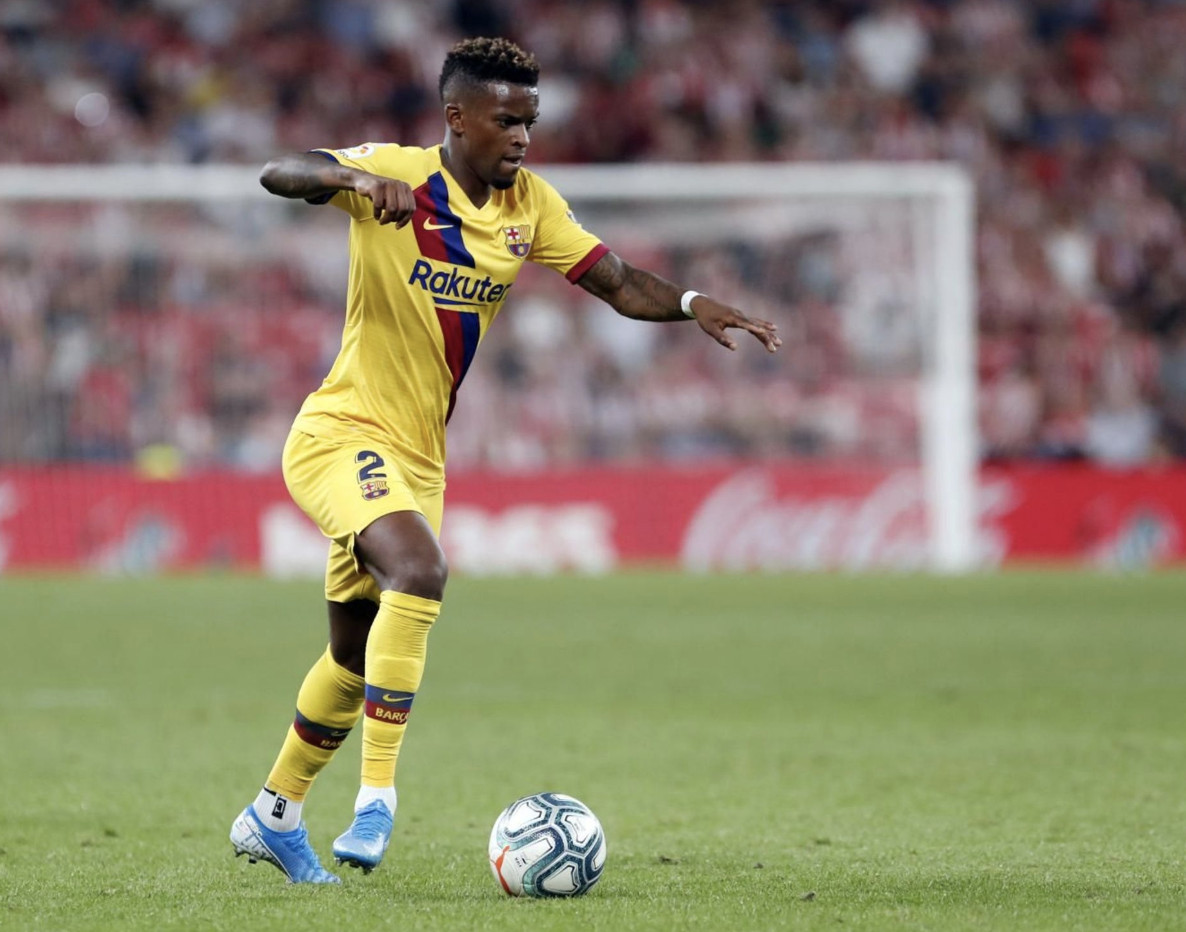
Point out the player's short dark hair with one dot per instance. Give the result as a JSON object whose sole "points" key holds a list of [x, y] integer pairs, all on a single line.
{"points": [[481, 61]]}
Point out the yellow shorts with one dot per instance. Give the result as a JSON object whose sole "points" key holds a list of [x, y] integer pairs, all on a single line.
{"points": [[343, 487]]}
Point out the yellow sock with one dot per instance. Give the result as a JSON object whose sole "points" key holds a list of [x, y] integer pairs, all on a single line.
{"points": [[396, 648], [327, 708]]}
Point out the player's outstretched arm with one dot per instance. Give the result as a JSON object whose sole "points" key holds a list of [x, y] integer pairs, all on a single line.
{"points": [[643, 295], [306, 175]]}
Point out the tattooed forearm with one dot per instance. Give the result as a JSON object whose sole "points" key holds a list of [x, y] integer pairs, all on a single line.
{"points": [[632, 292], [605, 279], [651, 297], [304, 174], [643, 295]]}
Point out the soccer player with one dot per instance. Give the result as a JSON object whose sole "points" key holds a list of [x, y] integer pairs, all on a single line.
{"points": [[437, 237]]}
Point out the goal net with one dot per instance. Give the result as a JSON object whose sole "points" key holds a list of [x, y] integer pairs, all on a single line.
{"points": [[174, 317]]}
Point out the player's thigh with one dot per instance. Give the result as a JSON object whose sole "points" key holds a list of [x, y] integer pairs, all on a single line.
{"points": [[399, 551]]}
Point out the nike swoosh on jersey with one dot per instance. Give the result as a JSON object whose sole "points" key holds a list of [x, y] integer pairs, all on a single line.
{"points": [[429, 225]]}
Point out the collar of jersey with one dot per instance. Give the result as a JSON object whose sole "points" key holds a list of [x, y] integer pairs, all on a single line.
{"points": [[458, 200]]}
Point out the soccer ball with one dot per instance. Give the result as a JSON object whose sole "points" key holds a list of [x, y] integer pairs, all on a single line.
{"points": [[548, 844]]}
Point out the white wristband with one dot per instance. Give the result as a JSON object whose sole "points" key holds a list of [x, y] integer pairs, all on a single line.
{"points": [[685, 303]]}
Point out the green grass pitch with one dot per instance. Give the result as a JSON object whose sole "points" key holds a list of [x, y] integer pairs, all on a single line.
{"points": [[765, 752]]}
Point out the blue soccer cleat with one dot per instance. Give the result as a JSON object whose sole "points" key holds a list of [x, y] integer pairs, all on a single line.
{"points": [[364, 843], [289, 851]]}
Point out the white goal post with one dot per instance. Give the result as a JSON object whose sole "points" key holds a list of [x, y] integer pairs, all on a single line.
{"points": [[940, 199]]}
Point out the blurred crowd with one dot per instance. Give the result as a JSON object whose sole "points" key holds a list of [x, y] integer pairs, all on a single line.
{"points": [[1070, 114]]}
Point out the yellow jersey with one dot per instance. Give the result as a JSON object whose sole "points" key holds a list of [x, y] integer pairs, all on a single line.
{"points": [[421, 297]]}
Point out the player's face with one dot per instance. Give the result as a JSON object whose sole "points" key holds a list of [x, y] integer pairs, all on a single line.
{"points": [[497, 121]]}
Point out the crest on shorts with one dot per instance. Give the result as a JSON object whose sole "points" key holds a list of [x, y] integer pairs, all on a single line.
{"points": [[373, 488], [518, 240]]}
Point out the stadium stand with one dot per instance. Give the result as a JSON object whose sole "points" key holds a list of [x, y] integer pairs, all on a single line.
{"points": [[1071, 116]]}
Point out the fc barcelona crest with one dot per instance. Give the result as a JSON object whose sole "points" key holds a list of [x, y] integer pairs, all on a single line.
{"points": [[518, 240], [374, 488]]}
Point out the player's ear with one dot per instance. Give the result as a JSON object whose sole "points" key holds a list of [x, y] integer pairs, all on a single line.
{"points": [[454, 118]]}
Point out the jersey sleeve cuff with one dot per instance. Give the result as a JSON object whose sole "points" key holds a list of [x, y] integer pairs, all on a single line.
{"points": [[328, 195], [591, 259]]}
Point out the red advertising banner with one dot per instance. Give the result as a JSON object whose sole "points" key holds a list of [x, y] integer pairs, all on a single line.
{"points": [[723, 517]]}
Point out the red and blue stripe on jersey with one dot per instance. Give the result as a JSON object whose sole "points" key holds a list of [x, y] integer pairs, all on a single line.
{"points": [[462, 330], [437, 228], [438, 234]]}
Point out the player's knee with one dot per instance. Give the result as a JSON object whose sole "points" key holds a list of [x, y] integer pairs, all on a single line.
{"points": [[424, 577]]}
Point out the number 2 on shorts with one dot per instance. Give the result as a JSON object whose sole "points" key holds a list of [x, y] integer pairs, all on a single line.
{"points": [[373, 462]]}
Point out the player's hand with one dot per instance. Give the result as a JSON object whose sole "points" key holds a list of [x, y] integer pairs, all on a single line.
{"points": [[715, 318], [393, 199]]}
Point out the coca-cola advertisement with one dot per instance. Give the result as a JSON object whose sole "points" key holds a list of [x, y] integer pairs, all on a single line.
{"points": [[729, 517]]}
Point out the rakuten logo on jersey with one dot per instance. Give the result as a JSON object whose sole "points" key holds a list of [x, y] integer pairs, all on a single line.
{"points": [[743, 524], [454, 288], [537, 539]]}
